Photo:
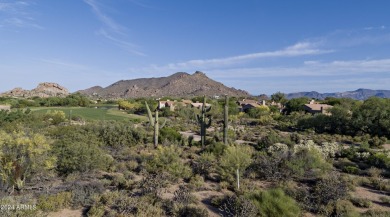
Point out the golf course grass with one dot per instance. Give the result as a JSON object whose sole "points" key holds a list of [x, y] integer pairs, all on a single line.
{"points": [[90, 114]]}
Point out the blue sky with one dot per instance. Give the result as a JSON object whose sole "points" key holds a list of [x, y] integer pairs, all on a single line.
{"points": [[254, 45]]}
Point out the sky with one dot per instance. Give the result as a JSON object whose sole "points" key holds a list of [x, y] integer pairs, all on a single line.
{"points": [[256, 45]]}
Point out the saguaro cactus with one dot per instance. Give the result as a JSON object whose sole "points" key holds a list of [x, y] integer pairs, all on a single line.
{"points": [[202, 118], [154, 123], [225, 120]]}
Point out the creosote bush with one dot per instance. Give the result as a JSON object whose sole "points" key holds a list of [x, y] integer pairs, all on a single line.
{"points": [[167, 158], [275, 202], [55, 202]]}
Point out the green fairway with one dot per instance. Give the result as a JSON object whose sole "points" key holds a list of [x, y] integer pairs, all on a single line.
{"points": [[99, 113]]}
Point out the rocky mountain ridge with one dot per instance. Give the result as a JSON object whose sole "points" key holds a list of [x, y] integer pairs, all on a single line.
{"points": [[180, 84], [359, 94], [43, 90]]}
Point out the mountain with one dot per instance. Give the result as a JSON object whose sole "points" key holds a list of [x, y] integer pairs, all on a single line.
{"points": [[43, 90], [177, 85], [359, 94]]}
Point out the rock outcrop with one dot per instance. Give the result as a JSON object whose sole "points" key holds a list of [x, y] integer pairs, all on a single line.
{"points": [[43, 90]]}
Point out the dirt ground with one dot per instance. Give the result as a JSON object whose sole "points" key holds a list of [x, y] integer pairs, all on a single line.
{"points": [[67, 213], [373, 196]]}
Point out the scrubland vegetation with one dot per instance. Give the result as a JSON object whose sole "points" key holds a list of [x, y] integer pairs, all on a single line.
{"points": [[275, 163]]}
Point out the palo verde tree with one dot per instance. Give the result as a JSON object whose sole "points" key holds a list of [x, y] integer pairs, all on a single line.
{"points": [[23, 155], [202, 119], [154, 123], [235, 160]]}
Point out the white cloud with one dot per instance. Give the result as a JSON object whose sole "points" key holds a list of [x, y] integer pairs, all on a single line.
{"points": [[62, 63], [130, 47], [106, 20], [17, 14], [309, 69], [112, 28], [298, 49]]}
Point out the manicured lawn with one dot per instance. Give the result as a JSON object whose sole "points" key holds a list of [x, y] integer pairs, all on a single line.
{"points": [[99, 113]]}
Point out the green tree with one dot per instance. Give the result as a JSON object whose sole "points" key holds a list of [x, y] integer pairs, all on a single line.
{"points": [[296, 105], [234, 161], [279, 97], [373, 117]]}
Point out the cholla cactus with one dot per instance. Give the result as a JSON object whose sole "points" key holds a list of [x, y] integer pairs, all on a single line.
{"points": [[327, 149], [362, 155], [277, 148]]}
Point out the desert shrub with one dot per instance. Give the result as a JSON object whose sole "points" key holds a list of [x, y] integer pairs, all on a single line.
{"points": [[121, 182], [183, 196], [271, 167], [167, 158], [78, 156], [217, 148], [340, 208], [130, 165], [237, 206], [327, 149], [274, 202], [120, 134], [13, 116], [150, 210], [153, 183], [96, 211], [376, 142], [192, 211], [329, 189], [341, 163], [380, 183], [351, 170], [306, 162], [78, 149], [126, 205], [117, 203], [277, 148], [22, 156], [83, 193], [376, 213], [204, 164], [361, 202], [197, 182], [385, 199], [224, 185], [268, 140], [295, 137], [170, 134], [55, 117], [380, 160], [301, 194], [374, 172], [55, 202]]}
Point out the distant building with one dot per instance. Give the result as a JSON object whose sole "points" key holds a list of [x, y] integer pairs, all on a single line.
{"points": [[5, 107], [315, 108], [246, 104], [247, 101], [167, 104], [186, 101], [199, 105]]}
